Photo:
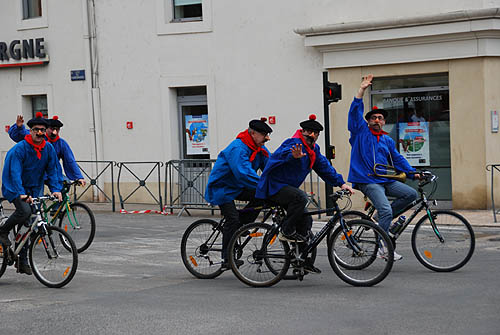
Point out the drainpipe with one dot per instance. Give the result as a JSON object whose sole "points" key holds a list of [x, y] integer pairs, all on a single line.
{"points": [[89, 35]]}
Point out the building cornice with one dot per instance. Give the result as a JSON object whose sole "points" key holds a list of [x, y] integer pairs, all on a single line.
{"points": [[461, 34]]}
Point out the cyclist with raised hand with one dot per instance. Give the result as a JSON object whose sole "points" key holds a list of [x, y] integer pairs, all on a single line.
{"points": [[371, 145], [24, 169], [287, 169], [17, 132], [234, 177]]}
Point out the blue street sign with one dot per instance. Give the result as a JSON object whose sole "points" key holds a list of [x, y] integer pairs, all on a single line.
{"points": [[77, 75]]}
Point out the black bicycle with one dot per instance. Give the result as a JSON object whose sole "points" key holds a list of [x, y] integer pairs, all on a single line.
{"points": [[359, 251], [442, 240], [201, 244]]}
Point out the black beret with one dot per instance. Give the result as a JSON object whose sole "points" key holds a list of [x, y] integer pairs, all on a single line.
{"points": [[311, 124], [38, 120], [260, 125], [376, 110], [54, 122]]}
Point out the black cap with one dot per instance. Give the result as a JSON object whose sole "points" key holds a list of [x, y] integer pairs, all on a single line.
{"points": [[376, 110], [54, 122], [311, 124], [38, 120], [260, 125]]}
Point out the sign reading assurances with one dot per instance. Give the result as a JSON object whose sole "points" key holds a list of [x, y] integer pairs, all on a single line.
{"points": [[23, 53]]}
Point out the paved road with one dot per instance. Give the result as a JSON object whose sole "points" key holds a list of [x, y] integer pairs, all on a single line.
{"points": [[131, 281]]}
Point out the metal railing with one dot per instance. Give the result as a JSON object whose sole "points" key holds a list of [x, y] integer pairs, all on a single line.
{"points": [[95, 176], [493, 168], [142, 183]]}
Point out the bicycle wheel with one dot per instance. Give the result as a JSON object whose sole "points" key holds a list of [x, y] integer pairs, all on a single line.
{"points": [[53, 261], [446, 246], [201, 249], [3, 259], [257, 257], [348, 216], [79, 223], [354, 255]]}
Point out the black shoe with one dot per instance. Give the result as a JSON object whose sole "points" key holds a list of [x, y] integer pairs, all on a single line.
{"points": [[294, 237], [226, 266], [24, 268], [310, 268], [4, 239]]}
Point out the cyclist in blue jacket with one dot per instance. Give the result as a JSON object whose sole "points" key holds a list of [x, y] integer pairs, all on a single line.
{"points": [[63, 151], [371, 145], [287, 169], [234, 177], [25, 166]]}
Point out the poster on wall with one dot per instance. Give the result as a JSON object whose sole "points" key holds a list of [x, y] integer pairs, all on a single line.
{"points": [[197, 134], [414, 142]]}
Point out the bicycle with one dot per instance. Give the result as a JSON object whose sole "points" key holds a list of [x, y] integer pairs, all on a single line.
{"points": [[76, 218], [53, 255], [201, 244], [442, 240], [353, 251]]}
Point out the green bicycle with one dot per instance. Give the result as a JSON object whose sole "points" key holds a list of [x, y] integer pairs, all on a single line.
{"points": [[75, 218]]}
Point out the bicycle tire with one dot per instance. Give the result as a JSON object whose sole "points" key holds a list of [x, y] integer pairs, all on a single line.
{"points": [[372, 272], [250, 255], [81, 226], [58, 269], [3, 259], [348, 216], [202, 257], [450, 255]]}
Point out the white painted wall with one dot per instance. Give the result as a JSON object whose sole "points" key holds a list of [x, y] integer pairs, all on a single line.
{"points": [[251, 60]]}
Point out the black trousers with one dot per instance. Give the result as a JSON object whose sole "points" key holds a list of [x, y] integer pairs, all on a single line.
{"points": [[20, 216], [294, 200], [235, 219]]}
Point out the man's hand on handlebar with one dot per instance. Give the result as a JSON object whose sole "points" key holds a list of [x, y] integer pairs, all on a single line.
{"points": [[81, 182], [57, 195], [26, 198], [347, 188]]}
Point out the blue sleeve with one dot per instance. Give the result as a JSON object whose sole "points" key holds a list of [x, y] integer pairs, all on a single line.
{"points": [[356, 122], [52, 177], [326, 171], [11, 178], [69, 163], [17, 133], [241, 167], [264, 160], [400, 163]]}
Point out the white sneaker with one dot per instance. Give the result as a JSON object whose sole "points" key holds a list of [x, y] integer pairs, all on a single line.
{"points": [[397, 256]]}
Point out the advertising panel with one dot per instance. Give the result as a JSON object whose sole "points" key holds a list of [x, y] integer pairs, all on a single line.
{"points": [[414, 142], [197, 134]]}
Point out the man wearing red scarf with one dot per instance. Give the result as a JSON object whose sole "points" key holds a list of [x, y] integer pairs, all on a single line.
{"points": [[234, 177], [287, 169], [371, 145], [25, 166]]}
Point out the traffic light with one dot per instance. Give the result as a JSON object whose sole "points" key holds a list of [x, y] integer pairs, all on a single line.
{"points": [[332, 92]]}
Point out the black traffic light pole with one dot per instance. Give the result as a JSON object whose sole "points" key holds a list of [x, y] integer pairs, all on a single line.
{"points": [[332, 92]]}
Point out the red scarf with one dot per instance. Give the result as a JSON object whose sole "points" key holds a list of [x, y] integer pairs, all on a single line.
{"points": [[53, 140], [245, 137], [378, 133], [310, 152], [38, 147]]}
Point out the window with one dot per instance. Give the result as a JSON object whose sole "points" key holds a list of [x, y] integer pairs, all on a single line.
{"points": [[32, 9], [39, 104], [187, 10]]}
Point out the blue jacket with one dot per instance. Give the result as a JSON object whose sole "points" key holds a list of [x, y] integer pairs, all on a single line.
{"points": [[282, 169], [23, 172], [366, 150], [233, 172], [63, 151]]}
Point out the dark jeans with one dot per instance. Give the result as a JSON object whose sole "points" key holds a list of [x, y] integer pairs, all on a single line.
{"points": [[20, 216], [235, 219], [294, 201]]}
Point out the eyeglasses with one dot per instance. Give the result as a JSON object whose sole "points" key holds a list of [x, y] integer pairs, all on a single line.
{"points": [[36, 130], [375, 117]]}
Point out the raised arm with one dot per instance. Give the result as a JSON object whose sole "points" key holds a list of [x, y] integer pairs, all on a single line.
{"points": [[17, 131]]}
